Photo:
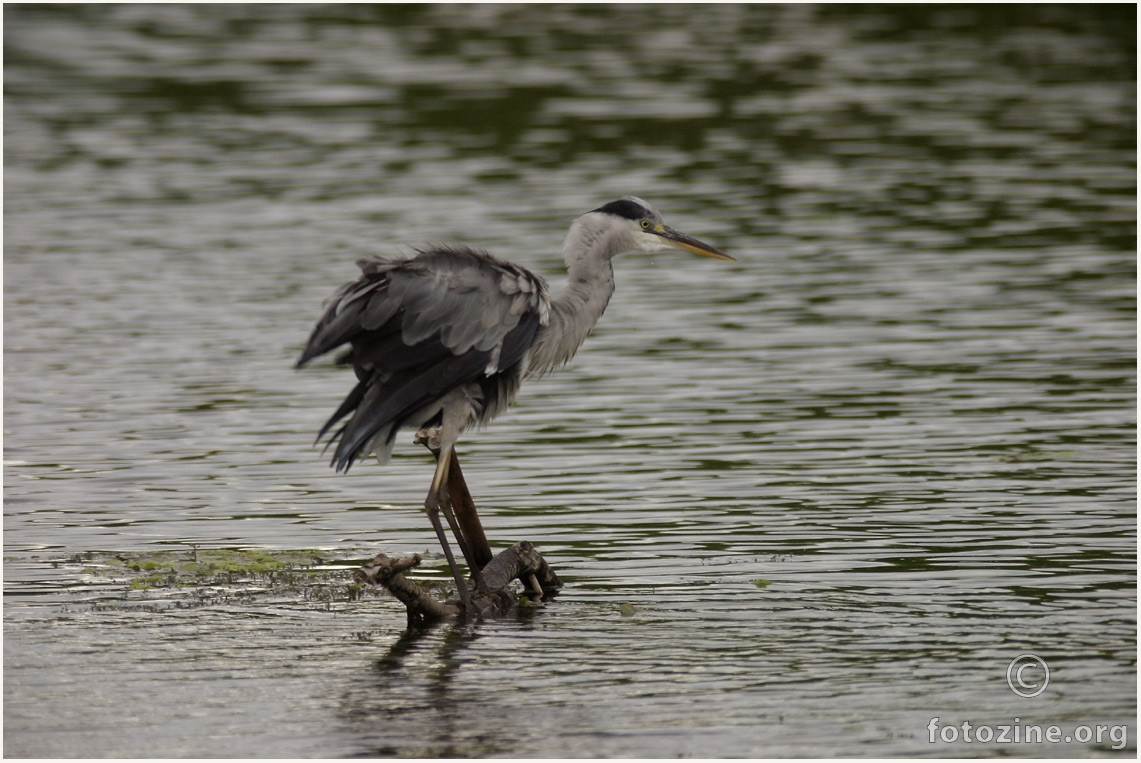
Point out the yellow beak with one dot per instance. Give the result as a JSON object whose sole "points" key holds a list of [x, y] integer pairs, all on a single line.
{"points": [[679, 240]]}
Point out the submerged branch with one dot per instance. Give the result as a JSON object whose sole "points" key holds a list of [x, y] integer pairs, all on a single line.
{"points": [[422, 608], [495, 596]]}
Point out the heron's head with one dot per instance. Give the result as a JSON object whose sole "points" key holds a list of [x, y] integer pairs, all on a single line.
{"points": [[631, 225]]}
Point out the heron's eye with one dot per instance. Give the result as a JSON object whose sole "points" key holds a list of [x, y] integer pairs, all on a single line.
{"points": [[645, 225]]}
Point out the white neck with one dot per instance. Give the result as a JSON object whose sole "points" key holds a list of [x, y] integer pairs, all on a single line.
{"points": [[589, 286]]}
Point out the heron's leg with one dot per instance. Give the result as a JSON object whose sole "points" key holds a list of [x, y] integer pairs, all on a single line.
{"points": [[468, 519], [438, 497], [466, 528], [449, 509]]}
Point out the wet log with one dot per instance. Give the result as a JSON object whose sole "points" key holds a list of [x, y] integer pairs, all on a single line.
{"points": [[494, 595], [422, 607], [521, 562]]}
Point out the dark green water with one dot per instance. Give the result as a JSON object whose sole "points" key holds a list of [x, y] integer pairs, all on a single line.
{"points": [[910, 406]]}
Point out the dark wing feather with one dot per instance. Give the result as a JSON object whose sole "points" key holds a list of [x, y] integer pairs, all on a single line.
{"points": [[356, 306], [421, 327]]}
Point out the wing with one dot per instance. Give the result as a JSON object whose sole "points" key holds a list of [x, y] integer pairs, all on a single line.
{"points": [[419, 328]]}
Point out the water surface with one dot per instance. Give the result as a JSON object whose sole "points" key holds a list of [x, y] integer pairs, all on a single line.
{"points": [[842, 482]]}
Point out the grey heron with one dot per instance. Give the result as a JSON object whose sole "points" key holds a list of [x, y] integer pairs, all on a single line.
{"points": [[441, 341]]}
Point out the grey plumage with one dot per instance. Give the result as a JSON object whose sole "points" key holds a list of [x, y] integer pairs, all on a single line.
{"points": [[420, 327], [444, 338]]}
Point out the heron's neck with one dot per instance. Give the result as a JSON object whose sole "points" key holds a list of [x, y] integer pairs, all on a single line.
{"points": [[582, 302], [590, 284]]}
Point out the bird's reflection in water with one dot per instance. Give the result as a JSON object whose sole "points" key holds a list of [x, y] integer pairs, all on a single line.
{"points": [[416, 680]]}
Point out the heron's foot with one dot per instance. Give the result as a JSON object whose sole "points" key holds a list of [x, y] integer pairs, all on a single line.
{"points": [[429, 436]]}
